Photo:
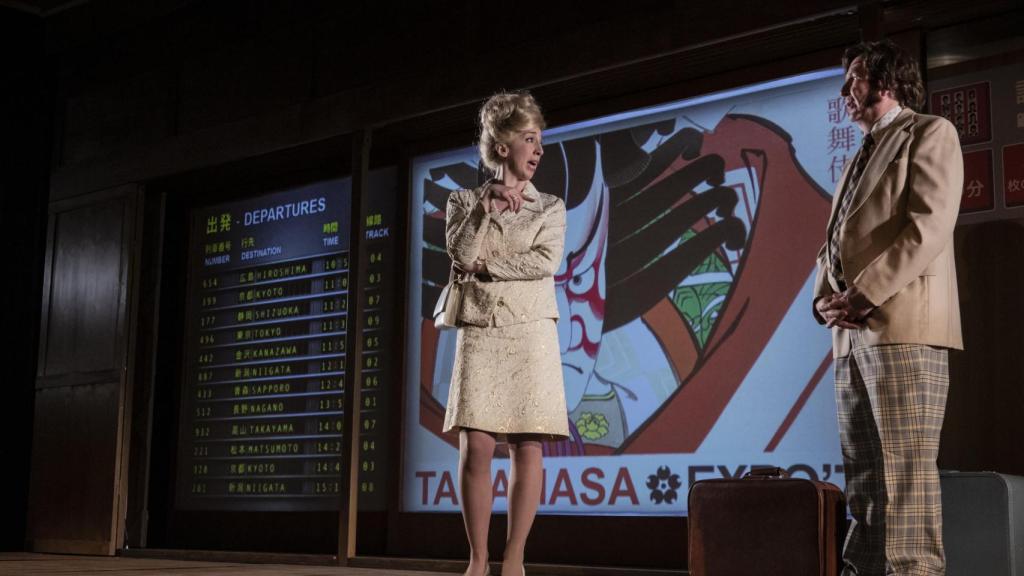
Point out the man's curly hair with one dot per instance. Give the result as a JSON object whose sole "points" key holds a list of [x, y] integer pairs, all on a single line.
{"points": [[891, 68]]}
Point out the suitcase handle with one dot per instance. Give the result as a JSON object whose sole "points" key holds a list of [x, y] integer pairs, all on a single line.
{"points": [[767, 472]]}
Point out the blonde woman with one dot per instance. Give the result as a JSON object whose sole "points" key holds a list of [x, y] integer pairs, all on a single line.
{"points": [[506, 239]]}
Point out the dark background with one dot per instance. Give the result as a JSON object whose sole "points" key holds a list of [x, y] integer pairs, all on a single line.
{"points": [[117, 115]]}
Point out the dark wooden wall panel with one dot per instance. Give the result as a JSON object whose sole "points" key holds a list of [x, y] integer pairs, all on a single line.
{"points": [[74, 466], [86, 290], [128, 113], [319, 69], [984, 422], [267, 73], [225, 81], [82, 390]]}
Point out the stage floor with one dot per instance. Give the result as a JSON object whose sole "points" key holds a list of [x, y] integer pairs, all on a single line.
{"points": [[29, 564], [25, 564]]}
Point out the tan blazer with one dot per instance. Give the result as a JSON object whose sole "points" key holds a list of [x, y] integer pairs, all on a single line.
{"points": [[523, 251], [897, 241]]}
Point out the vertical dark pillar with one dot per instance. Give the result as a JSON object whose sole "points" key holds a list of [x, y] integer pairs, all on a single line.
{"points": [[25, 110]]}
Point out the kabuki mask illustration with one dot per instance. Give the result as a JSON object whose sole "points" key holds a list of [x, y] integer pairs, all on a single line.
{"points": [[686, 246]]}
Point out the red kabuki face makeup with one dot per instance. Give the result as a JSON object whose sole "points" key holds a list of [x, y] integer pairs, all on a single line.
{"points": [[580, 288]]}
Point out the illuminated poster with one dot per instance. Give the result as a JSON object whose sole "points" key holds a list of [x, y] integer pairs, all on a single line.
{"points": [[261, 424], [689, 349]]}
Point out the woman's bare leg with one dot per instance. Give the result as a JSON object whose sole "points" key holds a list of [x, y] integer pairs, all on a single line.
{"points": [[476, 449], [526, 475]]}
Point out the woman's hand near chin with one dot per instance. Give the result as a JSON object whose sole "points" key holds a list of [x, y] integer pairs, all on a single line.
{"points": [[503, 196]]}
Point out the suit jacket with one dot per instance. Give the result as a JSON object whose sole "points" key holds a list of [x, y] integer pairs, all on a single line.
{"points": [[523, 252], [896, 244]]}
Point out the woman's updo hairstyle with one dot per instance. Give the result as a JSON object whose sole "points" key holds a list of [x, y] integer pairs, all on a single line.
{"points": [[500, 117]]}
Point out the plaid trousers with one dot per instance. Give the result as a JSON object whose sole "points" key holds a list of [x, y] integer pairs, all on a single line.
{"points": [[891, 400]]}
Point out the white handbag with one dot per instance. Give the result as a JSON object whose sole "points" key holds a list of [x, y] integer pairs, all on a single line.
{"points": [[446, 311]]}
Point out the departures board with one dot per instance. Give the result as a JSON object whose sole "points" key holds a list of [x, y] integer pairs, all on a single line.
{"points": [[262, 420], [379, 356]]}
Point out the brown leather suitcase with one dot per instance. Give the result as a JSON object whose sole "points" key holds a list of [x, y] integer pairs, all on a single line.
{"points": [[766, 524]]}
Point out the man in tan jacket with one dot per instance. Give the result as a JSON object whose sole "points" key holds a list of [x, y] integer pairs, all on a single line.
{"points": [[886, 286]]}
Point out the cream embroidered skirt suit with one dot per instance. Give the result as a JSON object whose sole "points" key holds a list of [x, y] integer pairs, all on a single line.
{"points": [[507, 377]]}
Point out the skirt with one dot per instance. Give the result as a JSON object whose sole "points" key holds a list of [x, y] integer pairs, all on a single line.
{"points": [[508, 380]]}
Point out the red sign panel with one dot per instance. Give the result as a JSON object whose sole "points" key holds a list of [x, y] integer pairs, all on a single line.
{"points": [[1013, 174], [968, 108], [977, 193]]}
